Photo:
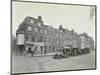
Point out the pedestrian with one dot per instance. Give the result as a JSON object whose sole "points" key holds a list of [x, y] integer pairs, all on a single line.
{"points": [[32, 50], [26, 50]]}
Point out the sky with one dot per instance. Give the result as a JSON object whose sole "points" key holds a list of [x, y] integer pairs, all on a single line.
{"points": [[69, 16]]}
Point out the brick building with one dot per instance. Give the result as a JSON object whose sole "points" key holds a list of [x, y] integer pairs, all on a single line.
{"points": [[86, 41], [33, 33]]}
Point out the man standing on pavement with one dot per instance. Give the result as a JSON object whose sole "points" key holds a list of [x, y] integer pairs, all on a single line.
{"points": [[32, 50], [26, 50]]}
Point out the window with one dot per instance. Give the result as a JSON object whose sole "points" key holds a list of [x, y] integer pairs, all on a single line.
{"points": [[45, 32], [66, 41], [49, 40], [45, 39], [29, 28], [31, 21], [41, 31], [29, 38], [57, 41], [33, 38], [60, 36], [41, 40], [57, 34], [39, 23], [35, 29]]}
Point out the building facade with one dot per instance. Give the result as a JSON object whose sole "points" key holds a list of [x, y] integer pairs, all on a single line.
{"points": [[33, 33], [86, 41]]}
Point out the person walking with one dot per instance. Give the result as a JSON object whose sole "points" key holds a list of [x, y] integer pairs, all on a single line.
{"points": [[26, 50], [32, 50]]}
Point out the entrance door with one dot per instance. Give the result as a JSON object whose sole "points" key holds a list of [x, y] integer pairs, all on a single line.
{"points": [[20, 49], [29, 49]]}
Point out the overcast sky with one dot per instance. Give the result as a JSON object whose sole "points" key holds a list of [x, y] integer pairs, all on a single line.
{"points": [[70, 16]]}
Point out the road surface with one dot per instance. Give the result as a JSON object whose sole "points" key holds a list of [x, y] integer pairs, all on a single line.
{"points": [[26, 64]]}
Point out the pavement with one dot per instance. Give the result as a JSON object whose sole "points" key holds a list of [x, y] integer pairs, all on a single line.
{"points": [[26, 64]]}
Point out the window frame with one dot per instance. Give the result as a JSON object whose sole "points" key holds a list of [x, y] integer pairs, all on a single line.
{"points": [[29, 28]]}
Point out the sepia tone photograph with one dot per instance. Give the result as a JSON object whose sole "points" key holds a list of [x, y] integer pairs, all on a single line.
{"points": [[52, 37]]}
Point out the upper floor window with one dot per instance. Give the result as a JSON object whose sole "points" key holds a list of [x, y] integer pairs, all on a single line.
{"points": [[31, 21], [57, 41], [45, 32], [41, 31], [29, 28], [41, 39], [66, 41], [45, 39], [82, 38], [60, 36], [29, 38], [49, 40], [57, 34], [35, 29], [39, 23]]}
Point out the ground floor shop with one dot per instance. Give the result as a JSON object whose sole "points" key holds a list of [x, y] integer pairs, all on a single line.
{"points": [[39, 48]]}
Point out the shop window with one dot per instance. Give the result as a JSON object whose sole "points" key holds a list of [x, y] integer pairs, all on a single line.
{"points": [[45, 39], [41, 39], [41, 47], [57, 41], [33, 39], [45, 49]]}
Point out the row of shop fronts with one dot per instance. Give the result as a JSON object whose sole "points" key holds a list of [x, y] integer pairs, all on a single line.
{"points": [[40, 48]]}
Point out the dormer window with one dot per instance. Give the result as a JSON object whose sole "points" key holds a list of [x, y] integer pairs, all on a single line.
{"points": [[39, 23], [31, 21]]}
